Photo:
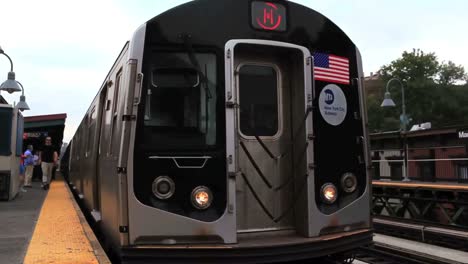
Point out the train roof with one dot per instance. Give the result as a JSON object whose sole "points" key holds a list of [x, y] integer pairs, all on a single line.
{"points": [[218, 20]]}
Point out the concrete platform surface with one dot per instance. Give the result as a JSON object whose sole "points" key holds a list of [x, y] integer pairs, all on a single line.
{"points": [[17, 221], [423, 248]]}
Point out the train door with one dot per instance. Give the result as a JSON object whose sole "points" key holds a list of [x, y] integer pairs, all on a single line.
{"points": [[101, 153], [271, 137]]}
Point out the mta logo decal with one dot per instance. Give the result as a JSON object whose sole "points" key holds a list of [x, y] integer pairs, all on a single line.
{"points": [[329, 97]]}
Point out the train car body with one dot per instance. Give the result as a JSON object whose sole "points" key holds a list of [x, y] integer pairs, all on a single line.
{"points": [[228, 129]]}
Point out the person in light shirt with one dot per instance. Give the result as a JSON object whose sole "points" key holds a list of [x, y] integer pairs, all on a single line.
{"points": [[29, 165]]}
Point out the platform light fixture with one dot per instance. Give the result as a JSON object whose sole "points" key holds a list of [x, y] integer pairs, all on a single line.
{"points": [[22, 105], [387, 102], [10, 85]]}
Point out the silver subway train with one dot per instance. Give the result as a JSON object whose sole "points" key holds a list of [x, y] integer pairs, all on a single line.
{"points": [[228, 130]]}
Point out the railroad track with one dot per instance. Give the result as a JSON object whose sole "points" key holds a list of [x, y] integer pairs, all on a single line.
{"points": [[384, 254], [430, 234]]}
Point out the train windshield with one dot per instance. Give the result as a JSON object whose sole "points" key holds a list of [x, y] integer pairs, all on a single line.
{"points": [[180, 107]]}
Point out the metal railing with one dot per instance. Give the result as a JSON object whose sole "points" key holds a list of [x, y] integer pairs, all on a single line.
{"points": [[427, 170], [443, 202]]}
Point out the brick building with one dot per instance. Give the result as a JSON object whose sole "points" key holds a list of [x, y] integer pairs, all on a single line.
{"points": [[433, 154]]}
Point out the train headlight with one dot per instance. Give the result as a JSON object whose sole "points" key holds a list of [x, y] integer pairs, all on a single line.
{"points": [[163, 187], [329, 193], [201, 197], [348, 182]]}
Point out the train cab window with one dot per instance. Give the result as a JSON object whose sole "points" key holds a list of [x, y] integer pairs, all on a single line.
{"points": [[175, 77], [258, 100], [180, 105]]}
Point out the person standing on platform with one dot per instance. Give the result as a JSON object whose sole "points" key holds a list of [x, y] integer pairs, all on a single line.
{"points": [[48, 159], [21, 174], [29, 164]]}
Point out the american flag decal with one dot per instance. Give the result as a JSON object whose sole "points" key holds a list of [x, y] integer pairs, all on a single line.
{"points": [[331, 68]]}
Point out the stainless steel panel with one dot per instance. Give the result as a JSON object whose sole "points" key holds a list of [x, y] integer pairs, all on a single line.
{"points": [[250, 215], [295, 100], [147, 223]]}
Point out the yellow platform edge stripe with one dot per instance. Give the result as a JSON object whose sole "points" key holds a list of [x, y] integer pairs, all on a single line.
{"points": [[98, 250], [62, 234]]}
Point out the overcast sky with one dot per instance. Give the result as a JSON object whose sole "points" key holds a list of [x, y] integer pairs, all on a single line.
{"points": [[62, 50]]}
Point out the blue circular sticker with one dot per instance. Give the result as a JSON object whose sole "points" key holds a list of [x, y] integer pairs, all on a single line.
{"points": [[332, 104]]}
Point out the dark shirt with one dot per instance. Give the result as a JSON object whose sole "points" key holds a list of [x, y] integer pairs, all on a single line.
{"points": [[48, 154]]}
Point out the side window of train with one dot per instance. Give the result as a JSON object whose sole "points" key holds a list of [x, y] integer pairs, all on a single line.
{"points": [[91, 124], [115, 99], [77, 148], [84, 135], [259, 100], [181, 99]]}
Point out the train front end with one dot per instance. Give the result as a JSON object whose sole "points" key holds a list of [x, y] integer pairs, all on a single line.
{"points": [[250, 138]]}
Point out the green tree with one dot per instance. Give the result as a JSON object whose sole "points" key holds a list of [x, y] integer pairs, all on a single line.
{"points": [[432, 92], [412, 66], [450, 73]]}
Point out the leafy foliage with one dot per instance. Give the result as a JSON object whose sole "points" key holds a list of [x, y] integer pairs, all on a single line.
{"points": [[412, 66], [449, 73], [433, 92]]}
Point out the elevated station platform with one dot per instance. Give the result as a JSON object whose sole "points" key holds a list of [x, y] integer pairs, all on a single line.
{"points": [[62, 234], [442, 254]]}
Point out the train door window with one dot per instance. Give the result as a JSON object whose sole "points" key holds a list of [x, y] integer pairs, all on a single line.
{"points": [[107, 124], [180, 105], [259, 100], [115, 99]]}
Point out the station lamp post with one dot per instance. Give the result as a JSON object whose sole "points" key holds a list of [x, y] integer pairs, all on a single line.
{"points": [[11, 85], [388, 102], [13, 126]]}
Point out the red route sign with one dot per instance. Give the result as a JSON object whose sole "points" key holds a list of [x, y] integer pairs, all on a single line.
{"points": [[268, 16]]}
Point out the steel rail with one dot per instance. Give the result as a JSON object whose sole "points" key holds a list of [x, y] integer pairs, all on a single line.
{"points": [[384, 254]]}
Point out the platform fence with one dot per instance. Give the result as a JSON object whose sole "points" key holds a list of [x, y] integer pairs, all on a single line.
{"points": [[426, 170], [427, 202]]}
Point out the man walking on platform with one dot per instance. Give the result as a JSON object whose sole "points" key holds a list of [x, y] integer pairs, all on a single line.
{"points": [[29, 164], [49, 159]]}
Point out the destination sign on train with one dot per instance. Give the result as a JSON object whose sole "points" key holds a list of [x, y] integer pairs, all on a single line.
{"points": [[268, 16]]}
